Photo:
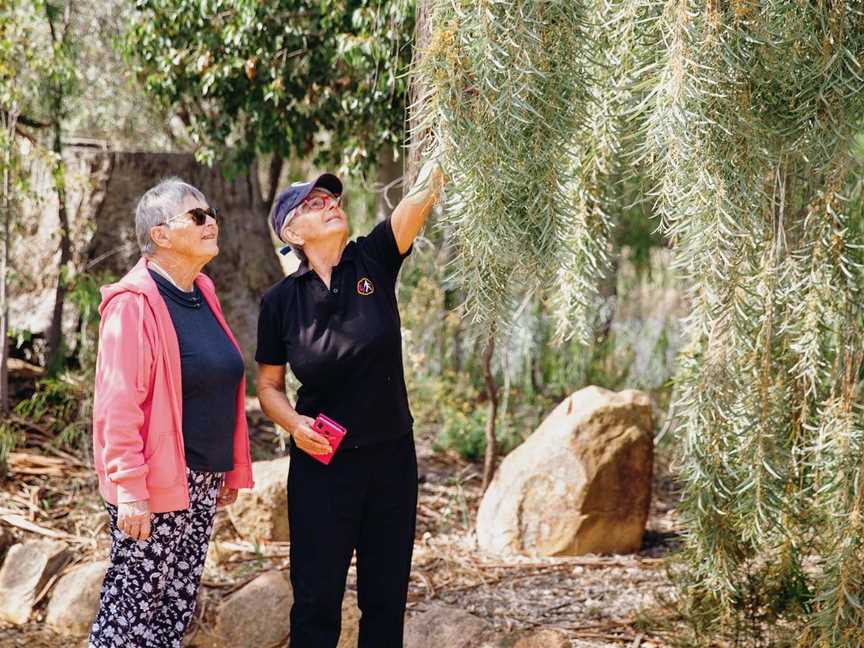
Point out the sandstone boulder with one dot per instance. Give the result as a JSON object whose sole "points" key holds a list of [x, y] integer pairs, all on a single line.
{"points": [[579, 484], [75, 599], [25, 572], [261, 513]]}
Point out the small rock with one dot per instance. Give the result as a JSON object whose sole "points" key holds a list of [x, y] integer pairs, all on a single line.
{"points": [[261, 513], [75, 599], [25, 571], [443, 626], [350, 622], [542, 638]]}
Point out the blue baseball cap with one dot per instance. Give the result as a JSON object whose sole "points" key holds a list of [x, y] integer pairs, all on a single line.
{"points": [[290, 198]]}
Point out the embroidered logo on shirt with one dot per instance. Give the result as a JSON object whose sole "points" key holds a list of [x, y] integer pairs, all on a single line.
{"points": [[365, 287]]}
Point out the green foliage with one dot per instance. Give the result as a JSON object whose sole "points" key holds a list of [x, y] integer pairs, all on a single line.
{"points": [[84, 294], [529, 109], [282, 77], [10, 437], [109, 103], [61, 406], [38, 57], [443, 357], [507, 99], [748, 123], [465, 433]]}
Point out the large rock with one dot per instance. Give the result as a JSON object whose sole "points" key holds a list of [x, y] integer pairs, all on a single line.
{"points": [[259, 613], [444, 626], [261, 514], [254, 616], [580, 484], [25, 572], [75, 599]]}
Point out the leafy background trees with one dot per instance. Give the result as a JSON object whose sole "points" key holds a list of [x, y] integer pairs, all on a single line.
{"points": [[289, 78]]}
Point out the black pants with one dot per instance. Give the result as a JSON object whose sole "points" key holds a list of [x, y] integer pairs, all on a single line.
{"points": [[366, 499]]}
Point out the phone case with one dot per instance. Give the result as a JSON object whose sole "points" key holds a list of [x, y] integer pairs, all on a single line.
{"points": [[334, 432]]}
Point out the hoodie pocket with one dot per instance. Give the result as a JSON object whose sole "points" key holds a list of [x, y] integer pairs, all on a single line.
{"points": [[162, 464]]}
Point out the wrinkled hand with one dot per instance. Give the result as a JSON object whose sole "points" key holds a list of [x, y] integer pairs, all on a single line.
{"points": [[306, 438], [227, 496], [133, 519]]}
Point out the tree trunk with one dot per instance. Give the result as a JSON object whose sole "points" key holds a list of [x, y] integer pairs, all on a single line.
{"points": [[418, 91], [608, 291], [492, 393], [9, 119], [54, 353], [387, 185], [273, 175]]}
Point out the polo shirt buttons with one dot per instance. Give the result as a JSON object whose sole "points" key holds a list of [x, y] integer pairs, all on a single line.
{"points": [[335, 290]]}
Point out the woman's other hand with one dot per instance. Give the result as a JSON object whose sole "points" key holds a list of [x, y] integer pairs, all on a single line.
{"points": [[307, 439], [133, 519], [227, 496]]}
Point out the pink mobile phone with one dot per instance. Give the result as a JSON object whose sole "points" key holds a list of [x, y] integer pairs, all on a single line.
{"points": [[334, 432]]}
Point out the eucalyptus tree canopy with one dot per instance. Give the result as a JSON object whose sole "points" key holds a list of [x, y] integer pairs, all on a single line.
{"points": [[281, 76]]}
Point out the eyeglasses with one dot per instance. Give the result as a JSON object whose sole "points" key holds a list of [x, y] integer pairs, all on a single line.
{"points": [[319, 201], [199, 215]]}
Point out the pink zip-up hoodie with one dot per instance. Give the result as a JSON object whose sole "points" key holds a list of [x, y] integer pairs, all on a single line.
{"points": [[137, 406]]}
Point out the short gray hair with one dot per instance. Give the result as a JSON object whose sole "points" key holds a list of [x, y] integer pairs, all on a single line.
{"points": [[296, 249], [158, 205]]}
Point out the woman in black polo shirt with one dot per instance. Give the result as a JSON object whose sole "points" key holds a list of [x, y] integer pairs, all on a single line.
{"points": [[335, 321]]}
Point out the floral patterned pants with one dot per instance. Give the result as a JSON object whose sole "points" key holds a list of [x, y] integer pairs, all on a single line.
{"points": [[151, 586]]}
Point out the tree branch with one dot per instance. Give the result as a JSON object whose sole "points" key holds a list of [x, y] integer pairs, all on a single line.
{"points": [[276, 163]]}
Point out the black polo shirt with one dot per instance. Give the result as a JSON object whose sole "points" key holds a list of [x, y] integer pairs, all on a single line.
{"points": [[344, 344]]}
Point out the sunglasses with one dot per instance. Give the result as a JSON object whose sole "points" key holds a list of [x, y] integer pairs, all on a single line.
{"points": [[199, 215]]}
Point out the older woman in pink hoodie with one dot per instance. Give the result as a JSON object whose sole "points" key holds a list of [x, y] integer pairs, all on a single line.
{"points": [[169, 427]]}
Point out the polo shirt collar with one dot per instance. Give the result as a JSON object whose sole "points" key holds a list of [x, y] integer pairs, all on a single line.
{"points": [[347, 255]]}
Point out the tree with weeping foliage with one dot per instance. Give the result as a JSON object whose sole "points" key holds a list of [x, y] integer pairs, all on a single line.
{"points": [[740, 117], [522, 101], [750, 129]]}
